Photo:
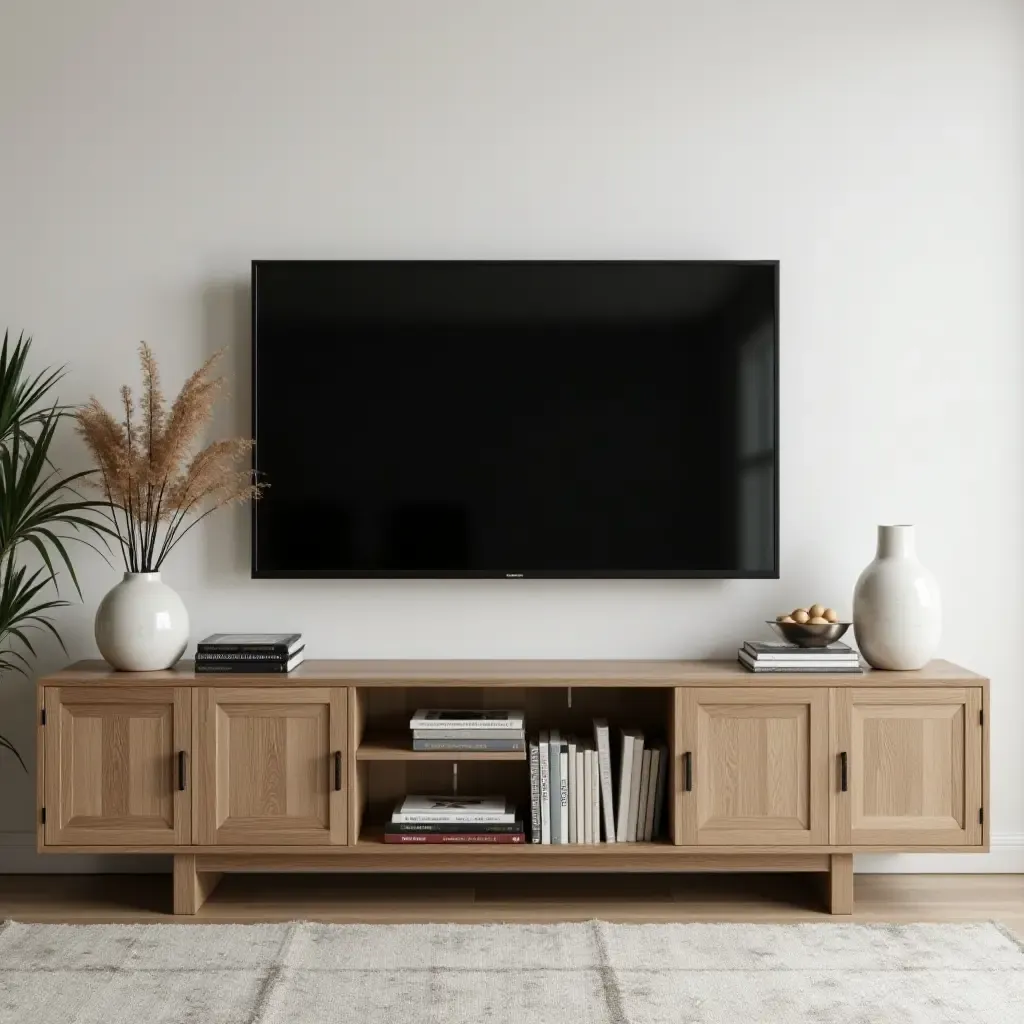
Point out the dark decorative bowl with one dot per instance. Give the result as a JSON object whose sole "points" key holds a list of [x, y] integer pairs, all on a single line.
{"points": [[810, 634]]}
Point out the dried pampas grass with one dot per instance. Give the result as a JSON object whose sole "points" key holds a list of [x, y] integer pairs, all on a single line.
{"points": [[157, 484]]}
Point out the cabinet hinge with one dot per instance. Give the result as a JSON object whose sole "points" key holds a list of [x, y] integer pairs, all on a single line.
{"points": [[42, 716], [981, 717], [981, 815], [44, 815]]}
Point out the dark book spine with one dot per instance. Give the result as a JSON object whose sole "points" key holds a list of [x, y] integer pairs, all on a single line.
{"points": [[205, 656], [456, 837], [243, 649], [241, 667], [468, 746], [399, 829]]}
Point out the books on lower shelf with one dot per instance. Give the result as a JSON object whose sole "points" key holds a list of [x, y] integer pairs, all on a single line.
{"points": [[250, 653], [468, 730], [779, 656], [578, 796], [453, 819]]}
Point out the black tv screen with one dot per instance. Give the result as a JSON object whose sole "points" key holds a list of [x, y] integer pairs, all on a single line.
{"points": [[515, 418]]}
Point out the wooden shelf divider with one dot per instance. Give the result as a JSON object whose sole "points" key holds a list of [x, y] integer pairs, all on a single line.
{"points": [[398, 747]]}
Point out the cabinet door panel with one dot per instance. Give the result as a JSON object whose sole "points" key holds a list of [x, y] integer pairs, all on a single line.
{"points": [[758, 765], [111, 766], [268, 762], [913, 766]]}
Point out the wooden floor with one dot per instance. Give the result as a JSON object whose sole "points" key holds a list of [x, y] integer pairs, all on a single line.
{"points": [[399, 898]]}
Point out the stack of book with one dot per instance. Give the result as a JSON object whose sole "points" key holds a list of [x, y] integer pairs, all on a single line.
{"points": [[778, 656], [454, 819], [468, 730], [575, 789], [250, 652]]}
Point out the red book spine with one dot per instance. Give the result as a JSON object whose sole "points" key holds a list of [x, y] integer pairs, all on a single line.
{"points": [[456, 837]]}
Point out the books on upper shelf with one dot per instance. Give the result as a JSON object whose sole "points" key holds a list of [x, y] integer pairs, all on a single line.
{"points": [[454, 819], [779, 656], [468, 730], [582, 790], [443, 719]]}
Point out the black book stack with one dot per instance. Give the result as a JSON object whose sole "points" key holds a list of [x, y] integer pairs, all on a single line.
{"points": [[250, 653]]}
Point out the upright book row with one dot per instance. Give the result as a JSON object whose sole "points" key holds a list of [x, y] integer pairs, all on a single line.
{"points": [[583, 791]]}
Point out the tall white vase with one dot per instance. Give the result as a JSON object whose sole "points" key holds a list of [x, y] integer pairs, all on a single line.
{"points": [[142, 624], [897, 609]]}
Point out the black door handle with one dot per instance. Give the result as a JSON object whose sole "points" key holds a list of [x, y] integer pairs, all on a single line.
{"points": [[337, 769], [182, 776], [688, 771], [842, 772]]}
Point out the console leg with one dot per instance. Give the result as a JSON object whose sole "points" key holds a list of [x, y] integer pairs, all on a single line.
{"points": [[840, 883], [191, 887]]}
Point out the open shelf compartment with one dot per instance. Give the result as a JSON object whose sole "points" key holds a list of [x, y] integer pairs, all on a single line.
{"points": [[386, 768]]}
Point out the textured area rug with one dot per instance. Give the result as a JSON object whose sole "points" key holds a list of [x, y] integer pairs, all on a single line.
{"points": [[592, 973]]}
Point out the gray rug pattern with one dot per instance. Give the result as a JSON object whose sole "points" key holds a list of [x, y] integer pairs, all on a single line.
{"points": [[592, 973]]}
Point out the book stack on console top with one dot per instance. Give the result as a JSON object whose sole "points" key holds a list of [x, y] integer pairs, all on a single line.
{"points": [[454, 819], [586, 790], [764, 656], [468, 730], [250, 653]]}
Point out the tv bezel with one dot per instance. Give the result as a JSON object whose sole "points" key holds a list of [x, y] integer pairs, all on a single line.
{"points": [[512, 573]]}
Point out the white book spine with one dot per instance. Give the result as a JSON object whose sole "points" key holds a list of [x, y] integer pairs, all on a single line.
{"points": [[577, 797], [433, 725], [652, 789], [645, 795], [659, 793], [571, 744], [625, 777], [534, 792], [554, 748], [595, 797], [634, 787], [588, 796], [604, 772], [415, 818], [545, 790], [563, 782]]}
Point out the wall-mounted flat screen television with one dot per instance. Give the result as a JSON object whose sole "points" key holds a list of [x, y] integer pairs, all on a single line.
{"points": [[516, 419]]}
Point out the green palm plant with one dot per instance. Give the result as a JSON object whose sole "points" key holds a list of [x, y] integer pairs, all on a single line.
{"points": [[40, 510]]}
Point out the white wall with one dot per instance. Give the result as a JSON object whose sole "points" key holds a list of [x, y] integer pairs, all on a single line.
{"points": [[149, 151]]}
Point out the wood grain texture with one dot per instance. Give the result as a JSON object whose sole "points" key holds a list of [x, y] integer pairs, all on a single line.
{"points": [[632, 857], [915, 771], [516, 674], [265, 765], [191, 887], [110, 766], [759, 764], [840, 883]]}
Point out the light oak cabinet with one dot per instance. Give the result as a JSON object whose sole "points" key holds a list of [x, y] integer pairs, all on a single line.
{"points": [[270, 766], [907, 766], [115, 766], [752, 767]]}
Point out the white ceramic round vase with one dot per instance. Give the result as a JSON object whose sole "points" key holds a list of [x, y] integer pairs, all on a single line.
{"points": [[897, 609], [142, 624]]}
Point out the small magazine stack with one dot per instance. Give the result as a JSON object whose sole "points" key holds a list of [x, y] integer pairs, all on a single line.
{"points": [[468, 730], [578, 795], [250, 653], [454, 819], [762, 656]]}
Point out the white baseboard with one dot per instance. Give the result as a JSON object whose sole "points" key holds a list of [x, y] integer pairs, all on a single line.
{"points": [[18, 856]]}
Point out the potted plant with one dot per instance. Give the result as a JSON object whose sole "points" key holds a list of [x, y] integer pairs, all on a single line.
{"points": [[40, 510], [157, 486]]}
